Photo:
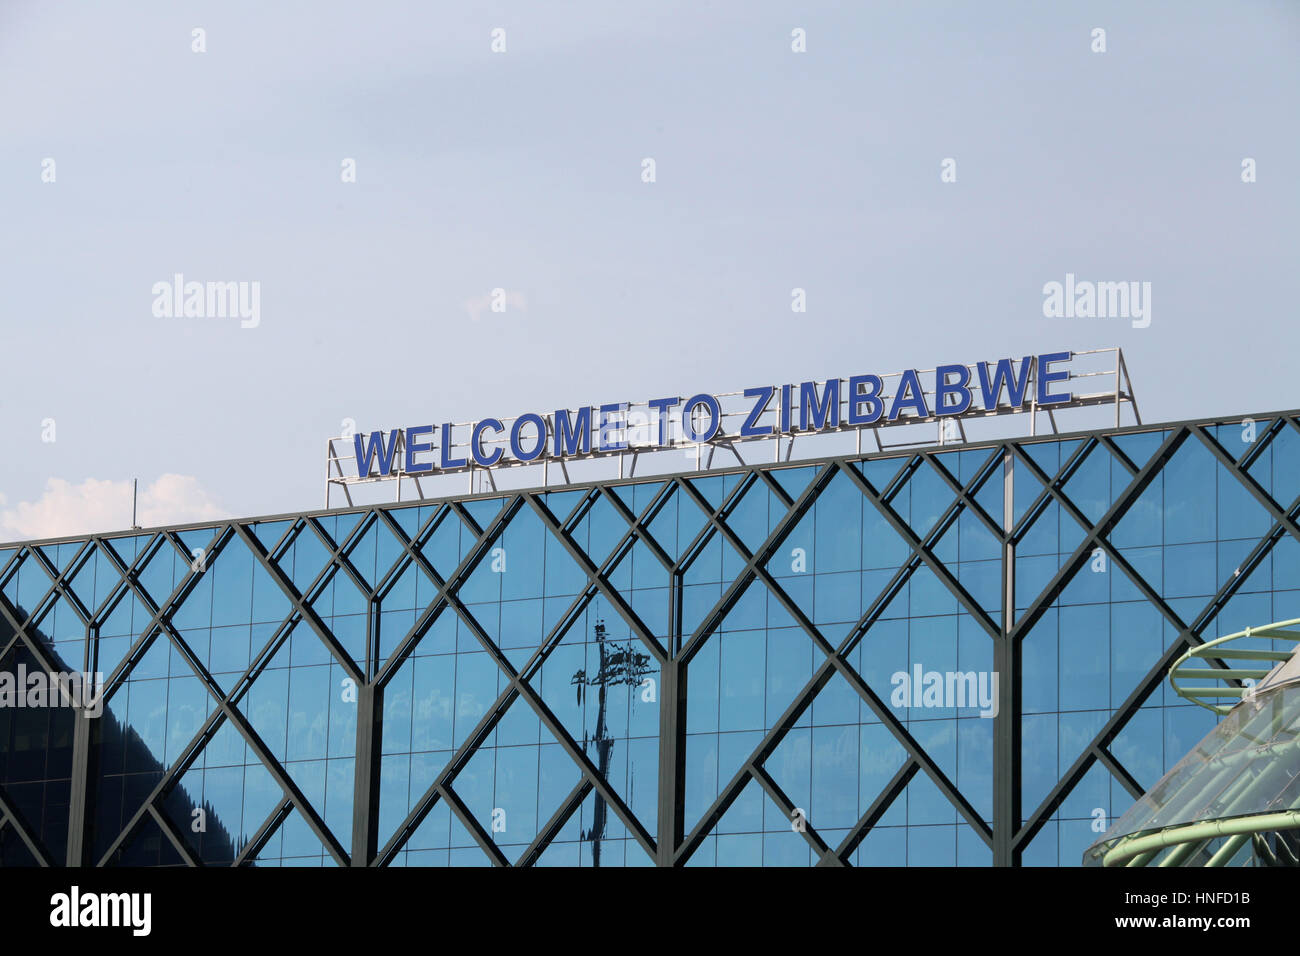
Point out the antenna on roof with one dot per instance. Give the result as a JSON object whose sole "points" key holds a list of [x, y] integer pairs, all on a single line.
{"points": [[135, 485]]}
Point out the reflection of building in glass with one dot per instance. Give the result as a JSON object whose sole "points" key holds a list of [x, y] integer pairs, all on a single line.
{"points": [[374, 687], [619, 664]]}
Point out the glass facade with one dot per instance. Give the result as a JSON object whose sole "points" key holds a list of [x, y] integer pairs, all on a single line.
{"points": [[945, 656]]}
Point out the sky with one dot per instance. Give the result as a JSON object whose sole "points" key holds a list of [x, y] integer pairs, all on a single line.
{"points": [[134, 148]]}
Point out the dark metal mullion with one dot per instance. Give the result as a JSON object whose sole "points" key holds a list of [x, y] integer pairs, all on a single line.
{"points": [[552, 827], [774, 486], [630, 617], [120, 590], [579, 756], [462, 756], [1186, 633], [1120, 772], [171, 775], [730, 792], [1113, 447], [259, 840], [485, 842], [210, 725], [1093, 538], [920, 547], [174, 836], [1044, 498], [966, 493], [254, 741], [884, 800], [712, 514], [158, 613], [917, 752], [782, 800], [339, 557], [1248, 481], [761, 555], [1121, 715], [1108, 521], [484, 539], [19, 825], [859, 631], [300, 604], [63, 579], [389, 580], [642, 532], [773, 587], [1275, 428]]}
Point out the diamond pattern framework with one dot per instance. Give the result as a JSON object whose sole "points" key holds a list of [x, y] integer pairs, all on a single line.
{"points": [[362, 688]]}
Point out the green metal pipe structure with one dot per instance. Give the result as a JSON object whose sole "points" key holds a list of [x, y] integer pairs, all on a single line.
{"points": [[1231, 782]]}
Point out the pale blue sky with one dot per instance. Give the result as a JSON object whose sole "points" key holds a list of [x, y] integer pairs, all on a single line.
{"points": [[522, 170]]}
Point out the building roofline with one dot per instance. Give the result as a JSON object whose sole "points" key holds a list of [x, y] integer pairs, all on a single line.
{"points": [[900, 452]]}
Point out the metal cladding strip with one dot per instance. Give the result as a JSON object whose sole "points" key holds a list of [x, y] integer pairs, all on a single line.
{"points": [[1193, 833], [966, 493], [170, 831], [922, 549], [1044, 497], [702, 537], [804, 698], [464, 753], [593, 573], [884, 800], [761, 555], [1190, 633], [517, 687], [551, 828], [485, 842], [301, 606], [782, 800], [158, 612], [258, 840], [444, 589], [9, 815]]}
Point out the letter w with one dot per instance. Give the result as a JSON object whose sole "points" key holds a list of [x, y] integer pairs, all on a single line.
{"points": [[367, 453], [1004, 376]]}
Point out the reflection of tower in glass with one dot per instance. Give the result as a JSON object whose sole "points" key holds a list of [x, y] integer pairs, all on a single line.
{"points": [[619, 664]]}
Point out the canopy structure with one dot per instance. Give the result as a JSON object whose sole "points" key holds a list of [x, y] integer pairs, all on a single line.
{"points": [[1235, 799]]}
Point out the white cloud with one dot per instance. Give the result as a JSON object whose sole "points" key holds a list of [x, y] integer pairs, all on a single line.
{"points": [[98, 506]]}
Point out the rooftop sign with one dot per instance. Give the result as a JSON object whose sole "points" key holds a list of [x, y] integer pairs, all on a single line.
{"points": [[868, 401]]}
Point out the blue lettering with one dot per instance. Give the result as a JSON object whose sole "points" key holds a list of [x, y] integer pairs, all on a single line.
{"points": [[817, 415], [517, 446], [476, 443], [572, 435], [612, 427], [413, 447], [447, 460], [858, 398], [376, 447], [910, 382], [715, 418], [1046, 377], [661, 406], [992, 391], [751, 427], [943, 388]]}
